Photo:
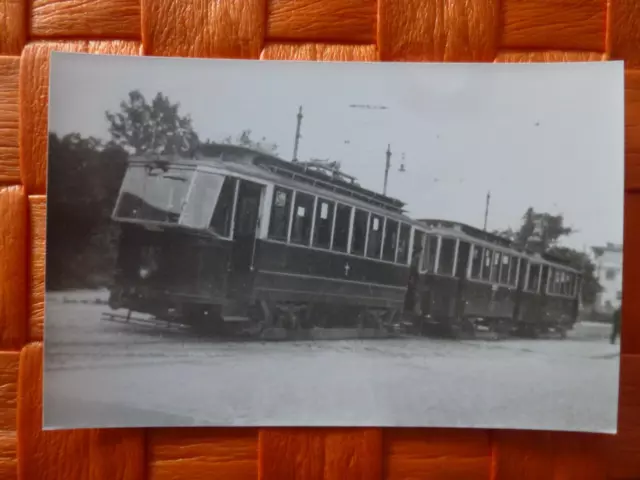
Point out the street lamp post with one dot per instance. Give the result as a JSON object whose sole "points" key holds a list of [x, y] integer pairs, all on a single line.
{"points": [[386, 169], [297, 137], [486, 210], [387, 165]]}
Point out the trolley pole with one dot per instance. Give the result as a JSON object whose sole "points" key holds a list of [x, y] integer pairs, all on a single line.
{"points": [[486, 210], [386, 169], [297, 137]]}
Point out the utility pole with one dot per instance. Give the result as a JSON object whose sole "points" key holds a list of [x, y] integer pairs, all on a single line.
{"points": [[386, 169], [297, 138], [486, 210]]}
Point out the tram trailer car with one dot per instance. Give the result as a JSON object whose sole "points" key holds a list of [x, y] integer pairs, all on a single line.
{"points": [[473, 280], [238, 241]]}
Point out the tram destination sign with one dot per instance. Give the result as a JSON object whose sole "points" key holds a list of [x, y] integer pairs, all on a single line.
{"points": [[301, 243]]}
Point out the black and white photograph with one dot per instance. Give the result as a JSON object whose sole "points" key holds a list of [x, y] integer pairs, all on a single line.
{"points": [[297, 243]]}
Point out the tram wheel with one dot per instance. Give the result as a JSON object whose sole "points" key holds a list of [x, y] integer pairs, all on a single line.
{"points": [[499, 329], [463, 329]]}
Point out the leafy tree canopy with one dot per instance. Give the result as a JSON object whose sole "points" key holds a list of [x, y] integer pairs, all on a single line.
{"points": [[539, 231], [156, 127], [542, 232]]}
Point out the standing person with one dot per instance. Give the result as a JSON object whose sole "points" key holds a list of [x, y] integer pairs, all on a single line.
{"points": [[615, 328]]}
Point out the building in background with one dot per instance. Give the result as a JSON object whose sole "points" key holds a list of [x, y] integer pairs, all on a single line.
{"points": [[608, 261]]}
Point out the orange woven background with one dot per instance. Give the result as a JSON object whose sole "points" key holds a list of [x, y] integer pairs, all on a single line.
{"points": [[424, 30]]}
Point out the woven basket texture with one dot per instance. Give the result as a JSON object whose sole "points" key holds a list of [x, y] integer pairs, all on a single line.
{"points": [[384, 30]]}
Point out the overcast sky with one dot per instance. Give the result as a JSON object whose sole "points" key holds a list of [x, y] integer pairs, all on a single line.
{"points": [[549, 136]]}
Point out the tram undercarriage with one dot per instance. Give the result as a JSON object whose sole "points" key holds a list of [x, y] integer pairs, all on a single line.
{"points": [[273, 321], [286, 320], [326, 322]]}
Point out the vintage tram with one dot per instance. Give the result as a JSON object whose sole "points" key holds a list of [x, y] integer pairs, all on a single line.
{"points": [[230, 240], [237, 240], [472, 279]]}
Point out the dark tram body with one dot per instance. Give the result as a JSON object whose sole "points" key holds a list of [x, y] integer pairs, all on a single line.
{"points": [[233, 240], [472, 279]]}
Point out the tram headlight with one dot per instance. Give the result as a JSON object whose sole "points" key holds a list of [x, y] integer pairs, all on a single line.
{"points": [[148, 263]]}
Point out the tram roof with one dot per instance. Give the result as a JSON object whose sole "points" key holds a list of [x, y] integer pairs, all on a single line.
{"points": [[266, 167], [491, 240], [302, 172]]}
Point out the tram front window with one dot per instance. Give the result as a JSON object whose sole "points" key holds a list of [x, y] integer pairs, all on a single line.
{"points": [[174, 195], [154, 194], [221, 219]]}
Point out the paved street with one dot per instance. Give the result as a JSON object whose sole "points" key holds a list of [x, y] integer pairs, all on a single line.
{"points": [[103, 374]]}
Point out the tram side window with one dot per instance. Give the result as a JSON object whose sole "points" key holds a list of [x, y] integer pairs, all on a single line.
{"points": [[374, 242], [476, 261], [486, 264], [447, 256], [513, 271], [323, 223], [553, 280], [568, 284], [430, 252], [495, 272], [403, 243], [390, 240], [561, 282], [280, 209], [221, 220], [359, 232], [418, 248], [341, 230], [504, 269], [534, 277], [302, 217]]}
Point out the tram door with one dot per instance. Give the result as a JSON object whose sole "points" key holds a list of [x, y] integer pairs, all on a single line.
{"points": [[245, 231], [464, 249]]}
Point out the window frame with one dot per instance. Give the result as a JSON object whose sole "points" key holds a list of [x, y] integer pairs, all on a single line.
{"points": [[513, 279], [351, 209], [234, 206], [438, 269], [410, 246], [491, 252], [352, 227], [288, 212], [528, 277], [425, 250], [382, 220], [331, 211], [509, 257], [294, 216], [394, 247]]}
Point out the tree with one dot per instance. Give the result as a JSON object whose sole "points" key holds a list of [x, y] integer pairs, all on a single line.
{"points": [[541, 232], [84, 180], [244, 139], [158, 127]]}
